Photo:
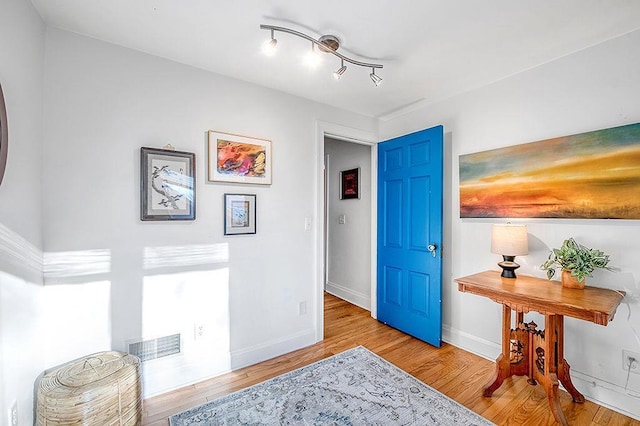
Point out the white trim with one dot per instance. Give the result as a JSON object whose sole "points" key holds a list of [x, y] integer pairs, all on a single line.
{"points": [[353, 297], [470, 343], [348, 134], [606, 394], [157, 373], [325, 213], [406, 109], [264, 351], [373, 306], [337, 131]]}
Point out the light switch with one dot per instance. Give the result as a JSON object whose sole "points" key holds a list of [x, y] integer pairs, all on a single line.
{"points": [[307, 223], [342, 219]]}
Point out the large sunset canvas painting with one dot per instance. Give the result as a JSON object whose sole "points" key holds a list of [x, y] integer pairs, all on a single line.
{"points": [[594, 175]]}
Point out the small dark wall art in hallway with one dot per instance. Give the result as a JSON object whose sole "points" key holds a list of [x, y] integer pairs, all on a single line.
{"points": [[350, 184]]}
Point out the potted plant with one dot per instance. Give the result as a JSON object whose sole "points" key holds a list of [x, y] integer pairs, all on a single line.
{"points": [[576, 261]]}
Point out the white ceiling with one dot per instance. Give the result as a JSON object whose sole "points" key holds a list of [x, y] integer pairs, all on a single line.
{"points": [[430, 49]]}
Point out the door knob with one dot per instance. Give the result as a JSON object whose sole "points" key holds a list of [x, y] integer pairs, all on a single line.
{"points": [[432, 248]]}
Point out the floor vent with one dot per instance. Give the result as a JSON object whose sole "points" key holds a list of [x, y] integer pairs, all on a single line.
{"points": [[156, 348]]}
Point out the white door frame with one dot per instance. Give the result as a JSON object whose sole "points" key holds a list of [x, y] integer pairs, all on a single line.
{"points": [[348, 134]]}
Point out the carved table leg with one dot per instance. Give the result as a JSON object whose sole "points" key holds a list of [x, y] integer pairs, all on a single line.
{"points": [[563, 365], [551, 386], [553, 361], [565, 379], [503, 360], [498, 376]]}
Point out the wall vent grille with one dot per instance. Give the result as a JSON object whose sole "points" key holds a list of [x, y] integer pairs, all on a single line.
{"points": [[156, 348]]}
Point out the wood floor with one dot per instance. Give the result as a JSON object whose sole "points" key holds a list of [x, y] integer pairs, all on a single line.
{"points": [[452, 371]]}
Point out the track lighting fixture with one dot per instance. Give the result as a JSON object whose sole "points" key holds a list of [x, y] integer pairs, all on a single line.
{"points": [[326, 44]]}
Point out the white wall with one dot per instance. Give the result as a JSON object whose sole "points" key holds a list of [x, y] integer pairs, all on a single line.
{"points": [[21, 77], [592, 89], [349, 244], [102, 103]]}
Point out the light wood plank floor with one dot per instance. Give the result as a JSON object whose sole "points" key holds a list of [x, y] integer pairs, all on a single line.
{"points": [[450, 370]]}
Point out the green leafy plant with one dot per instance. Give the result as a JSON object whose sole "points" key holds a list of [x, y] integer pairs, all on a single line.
{"points": [[578, 259]]}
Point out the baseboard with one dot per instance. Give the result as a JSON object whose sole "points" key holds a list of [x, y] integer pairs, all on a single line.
{"points": [[258, 353], [607, 394], [470, 343], [594, 389], [236, 360], [353, 297], [163, 375]]}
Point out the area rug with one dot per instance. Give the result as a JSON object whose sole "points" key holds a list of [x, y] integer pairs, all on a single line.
{"points": [[355, 387]]}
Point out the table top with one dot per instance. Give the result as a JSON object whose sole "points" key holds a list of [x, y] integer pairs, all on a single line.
{"points": [[526, 293]]}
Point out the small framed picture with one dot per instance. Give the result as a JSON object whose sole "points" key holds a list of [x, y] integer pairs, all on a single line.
{"points": [[350, 184], [238, 159], [239, 214], [167, 185]]}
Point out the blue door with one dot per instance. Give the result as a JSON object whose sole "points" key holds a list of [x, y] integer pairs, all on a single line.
{"points": [[409, 292]]}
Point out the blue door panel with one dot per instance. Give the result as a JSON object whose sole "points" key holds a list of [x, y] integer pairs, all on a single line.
{"points": [[409, 220], [392, 218], [419, 293], [419, 153], [392, 160], [393, 291], [419, 194]]}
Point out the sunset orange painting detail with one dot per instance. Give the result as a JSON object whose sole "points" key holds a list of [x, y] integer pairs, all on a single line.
{"points": [[594, 175]]}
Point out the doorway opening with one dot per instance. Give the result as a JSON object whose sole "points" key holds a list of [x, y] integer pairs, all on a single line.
{"points": [[347, 221], [355, 137]]}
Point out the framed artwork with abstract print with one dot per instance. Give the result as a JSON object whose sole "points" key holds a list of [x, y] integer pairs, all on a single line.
{"points": [[167, 185], [239, 159], [239, 214]]}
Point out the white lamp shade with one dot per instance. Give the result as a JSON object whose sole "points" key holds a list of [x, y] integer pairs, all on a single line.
{"points": [[509, 240]]}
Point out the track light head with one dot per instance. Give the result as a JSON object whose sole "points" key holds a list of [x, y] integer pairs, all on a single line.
{"points": [[338, 73], [269, 46], [312, 58], [376, 79]]}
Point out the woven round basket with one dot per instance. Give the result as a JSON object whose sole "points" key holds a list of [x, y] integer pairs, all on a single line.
{"points": [[99, 389]]}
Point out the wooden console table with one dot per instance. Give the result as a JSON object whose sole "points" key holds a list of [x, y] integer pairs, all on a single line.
{"points": [[539, 354]]}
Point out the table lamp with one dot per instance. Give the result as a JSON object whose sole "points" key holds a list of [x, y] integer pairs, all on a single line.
{"points": [[509, 241]]}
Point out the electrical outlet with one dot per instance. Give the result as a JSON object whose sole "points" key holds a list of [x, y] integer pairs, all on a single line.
{"points": [[198, 331], [631, 360], [302, 308], [13, 414]]}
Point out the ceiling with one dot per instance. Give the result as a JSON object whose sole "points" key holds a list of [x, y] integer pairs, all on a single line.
{"points": [[430, 49]]}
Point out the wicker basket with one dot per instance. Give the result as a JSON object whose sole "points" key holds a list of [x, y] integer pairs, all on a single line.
{"points": [[99, 389]]}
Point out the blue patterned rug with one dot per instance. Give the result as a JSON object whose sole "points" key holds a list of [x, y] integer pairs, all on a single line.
{"points": [[355, 387]]}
